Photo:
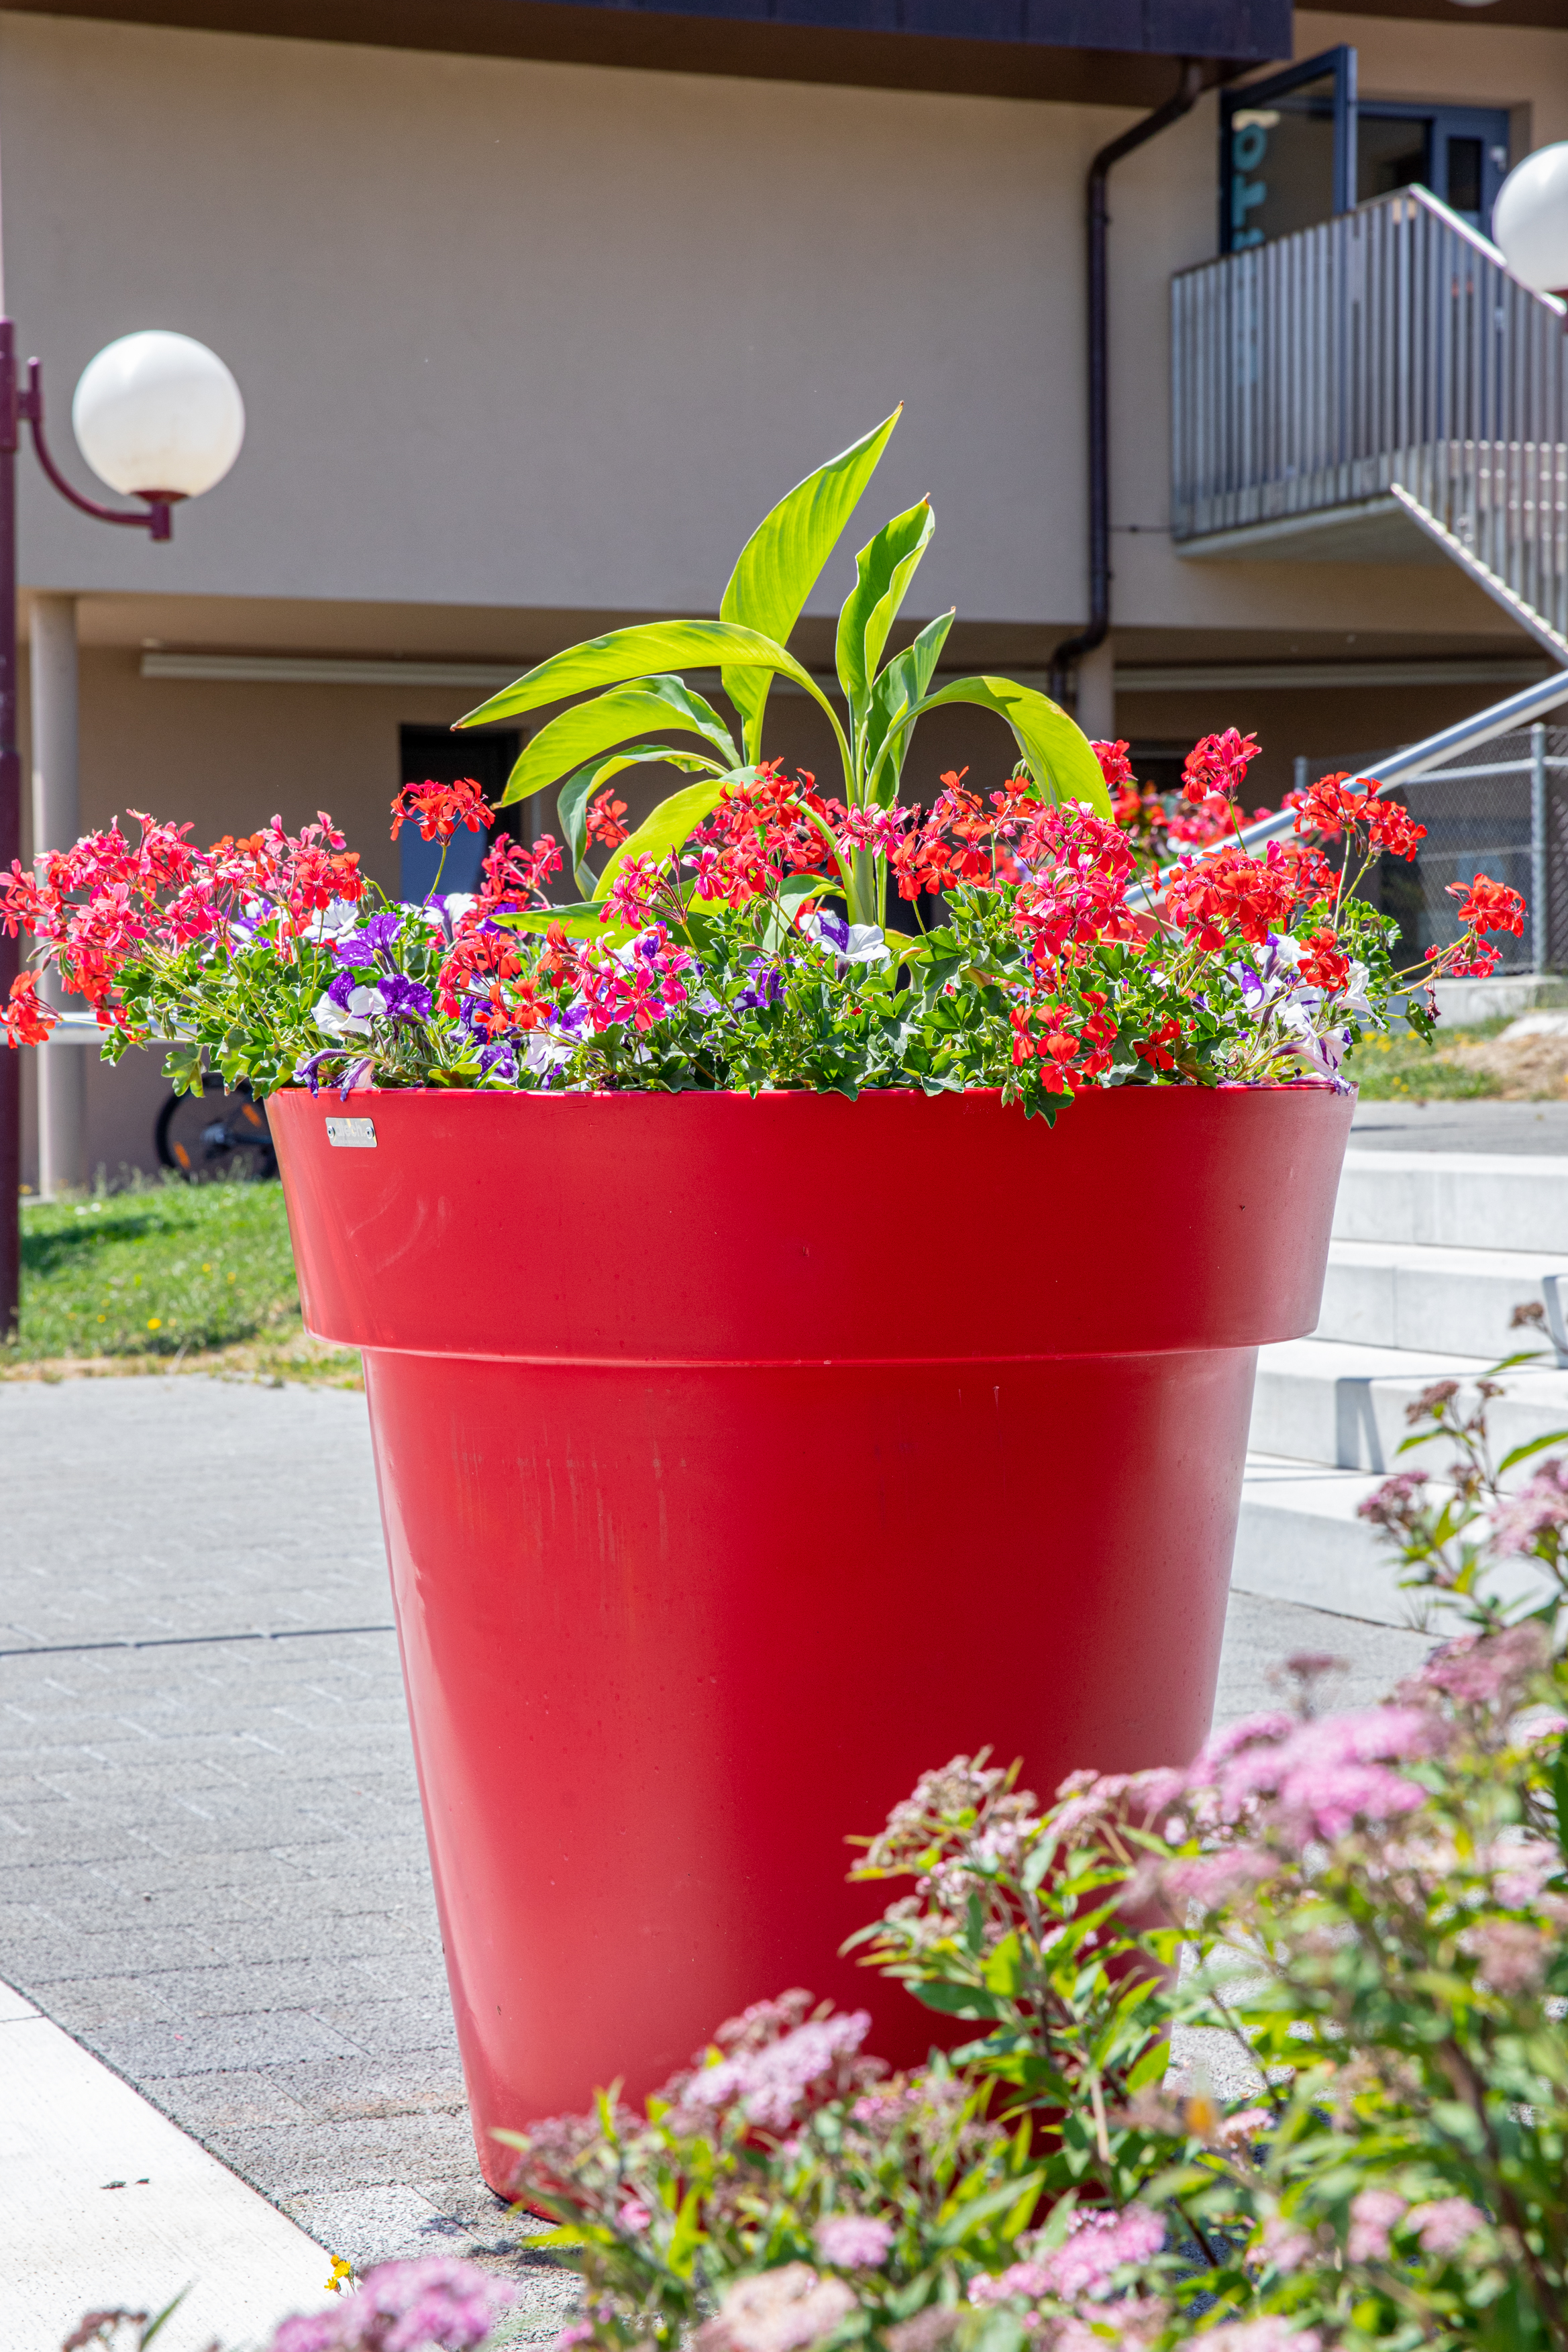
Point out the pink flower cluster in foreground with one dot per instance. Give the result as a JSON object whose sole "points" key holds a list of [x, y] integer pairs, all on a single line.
{"points": [[439, 2305], [1314, 1780], [1097, 2245], [852, 2241], [769, 2073]]}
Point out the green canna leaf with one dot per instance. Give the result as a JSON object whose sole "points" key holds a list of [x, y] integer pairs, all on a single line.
{"points": [[588, 727], [884, 568], [899, 688], [637, 652], [583, 920], [572, 803], [781, 563]]}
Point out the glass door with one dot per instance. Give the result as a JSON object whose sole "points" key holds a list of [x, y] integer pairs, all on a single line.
{"points": [[1287, 150]]}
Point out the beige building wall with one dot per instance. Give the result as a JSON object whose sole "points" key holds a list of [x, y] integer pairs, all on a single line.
{"points": [[527, 350], [535, 336]]}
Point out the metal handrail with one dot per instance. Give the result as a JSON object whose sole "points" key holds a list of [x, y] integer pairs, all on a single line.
{"points": [[1304, 367], [1397, 768]]}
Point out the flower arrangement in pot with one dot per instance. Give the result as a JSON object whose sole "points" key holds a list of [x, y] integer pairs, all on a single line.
{"points": [[741, 1355]]}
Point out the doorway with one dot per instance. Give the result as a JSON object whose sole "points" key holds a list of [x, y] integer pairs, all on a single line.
{"points": [[434, 755], [1459, 152]]}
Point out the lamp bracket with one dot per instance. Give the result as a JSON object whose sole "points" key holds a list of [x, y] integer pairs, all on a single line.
{"points": [[158, 522]]}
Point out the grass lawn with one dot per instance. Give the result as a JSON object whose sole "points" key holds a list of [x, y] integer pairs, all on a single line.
{"points": [[170, 1276]]}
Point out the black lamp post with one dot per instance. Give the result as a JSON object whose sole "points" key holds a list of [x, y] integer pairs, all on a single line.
{"points": [[153, 409]]}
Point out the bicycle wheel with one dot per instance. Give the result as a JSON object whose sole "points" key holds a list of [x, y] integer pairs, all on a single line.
{"points": [[215, 1134]]}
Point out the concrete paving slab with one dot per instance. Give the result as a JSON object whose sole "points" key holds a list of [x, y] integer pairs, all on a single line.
{"points": [[107, 2203]]}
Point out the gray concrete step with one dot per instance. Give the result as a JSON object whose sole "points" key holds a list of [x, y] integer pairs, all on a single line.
{"points": [[1454, 1200], [1300, 1539], [1384, 1294], [1331, 1402]]}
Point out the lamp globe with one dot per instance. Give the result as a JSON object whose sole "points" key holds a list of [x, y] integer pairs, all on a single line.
{"points": [[158, 416], [1529, 219]]}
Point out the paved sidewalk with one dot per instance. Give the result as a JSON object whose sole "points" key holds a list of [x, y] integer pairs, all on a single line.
{"points": [[212, 1862], [1482, 1124]]}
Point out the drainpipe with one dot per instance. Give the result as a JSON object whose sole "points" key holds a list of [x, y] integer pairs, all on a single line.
{"points": [[1071, 649]]}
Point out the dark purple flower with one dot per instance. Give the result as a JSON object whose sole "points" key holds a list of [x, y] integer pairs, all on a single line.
{"points": [[361, 946], [340, 988], [764, 985], [308, 1067], [403, 999], [833, 931], [355, 1077], [498, 1056]]}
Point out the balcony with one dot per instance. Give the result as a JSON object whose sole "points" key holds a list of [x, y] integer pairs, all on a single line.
{"points": [[1377, 389]]}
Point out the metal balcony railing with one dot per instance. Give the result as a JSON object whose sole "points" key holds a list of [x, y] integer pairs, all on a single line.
{"points": [[1387, 356]]}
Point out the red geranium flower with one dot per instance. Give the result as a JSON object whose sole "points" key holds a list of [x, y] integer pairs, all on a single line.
{"points": [[442, 808]]}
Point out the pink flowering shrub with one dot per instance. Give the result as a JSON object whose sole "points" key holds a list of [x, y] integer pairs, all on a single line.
{"points": [[437, 2304], [1373, 1908]]}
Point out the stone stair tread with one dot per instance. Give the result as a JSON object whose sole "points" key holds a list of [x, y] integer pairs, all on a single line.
{"points": [[1300, 1539], [1340, 1403], [1355, 1360], [1517, 1200], [1463, 1163], [1444, 1258]]}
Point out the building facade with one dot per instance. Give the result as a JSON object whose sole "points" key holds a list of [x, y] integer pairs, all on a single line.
{"points": [[537, 309]]}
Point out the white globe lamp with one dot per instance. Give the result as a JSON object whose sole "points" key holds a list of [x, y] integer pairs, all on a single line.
{"points": [[158, 416], [1529, 219]]}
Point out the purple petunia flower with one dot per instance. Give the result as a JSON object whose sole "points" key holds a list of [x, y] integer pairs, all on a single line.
{"points": [[764, 985], [403, 999], [360, 948]]}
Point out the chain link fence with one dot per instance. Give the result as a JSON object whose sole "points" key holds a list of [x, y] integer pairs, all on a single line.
{"points": [[1500, 810]]}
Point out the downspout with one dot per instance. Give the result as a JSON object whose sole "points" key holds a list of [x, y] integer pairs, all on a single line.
{"points": [[1072, 649]]}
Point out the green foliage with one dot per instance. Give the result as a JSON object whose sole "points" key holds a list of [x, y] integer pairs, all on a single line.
{"points": [[1409, 1066], [766, 591]]}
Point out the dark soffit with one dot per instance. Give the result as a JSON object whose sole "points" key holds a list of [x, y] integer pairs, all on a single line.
{"points": [[1105, 52]]}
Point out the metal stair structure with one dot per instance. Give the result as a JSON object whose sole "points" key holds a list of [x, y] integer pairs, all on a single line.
{"points": [[1431, 1253], [1377, 386]]}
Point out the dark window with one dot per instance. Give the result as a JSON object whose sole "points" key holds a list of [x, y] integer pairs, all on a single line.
{"points": [[1298, 147], [434, 755], [1465, 178], [1459, 152], [1391, 152]]}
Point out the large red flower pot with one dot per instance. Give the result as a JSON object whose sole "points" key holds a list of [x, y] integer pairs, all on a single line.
{"points": [[739, 1459]]}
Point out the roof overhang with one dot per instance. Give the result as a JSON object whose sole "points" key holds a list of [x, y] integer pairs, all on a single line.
{"points": [[1101, 52]]}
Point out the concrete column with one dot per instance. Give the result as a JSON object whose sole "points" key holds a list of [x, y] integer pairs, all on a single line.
{"points": [[1096, 706], [56, 822]]}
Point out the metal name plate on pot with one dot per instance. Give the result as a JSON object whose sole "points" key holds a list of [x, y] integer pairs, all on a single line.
{"points": [[353, 1134]]}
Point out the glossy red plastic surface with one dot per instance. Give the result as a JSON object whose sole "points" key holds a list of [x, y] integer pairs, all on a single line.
{"points": [[741, 1459]]}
